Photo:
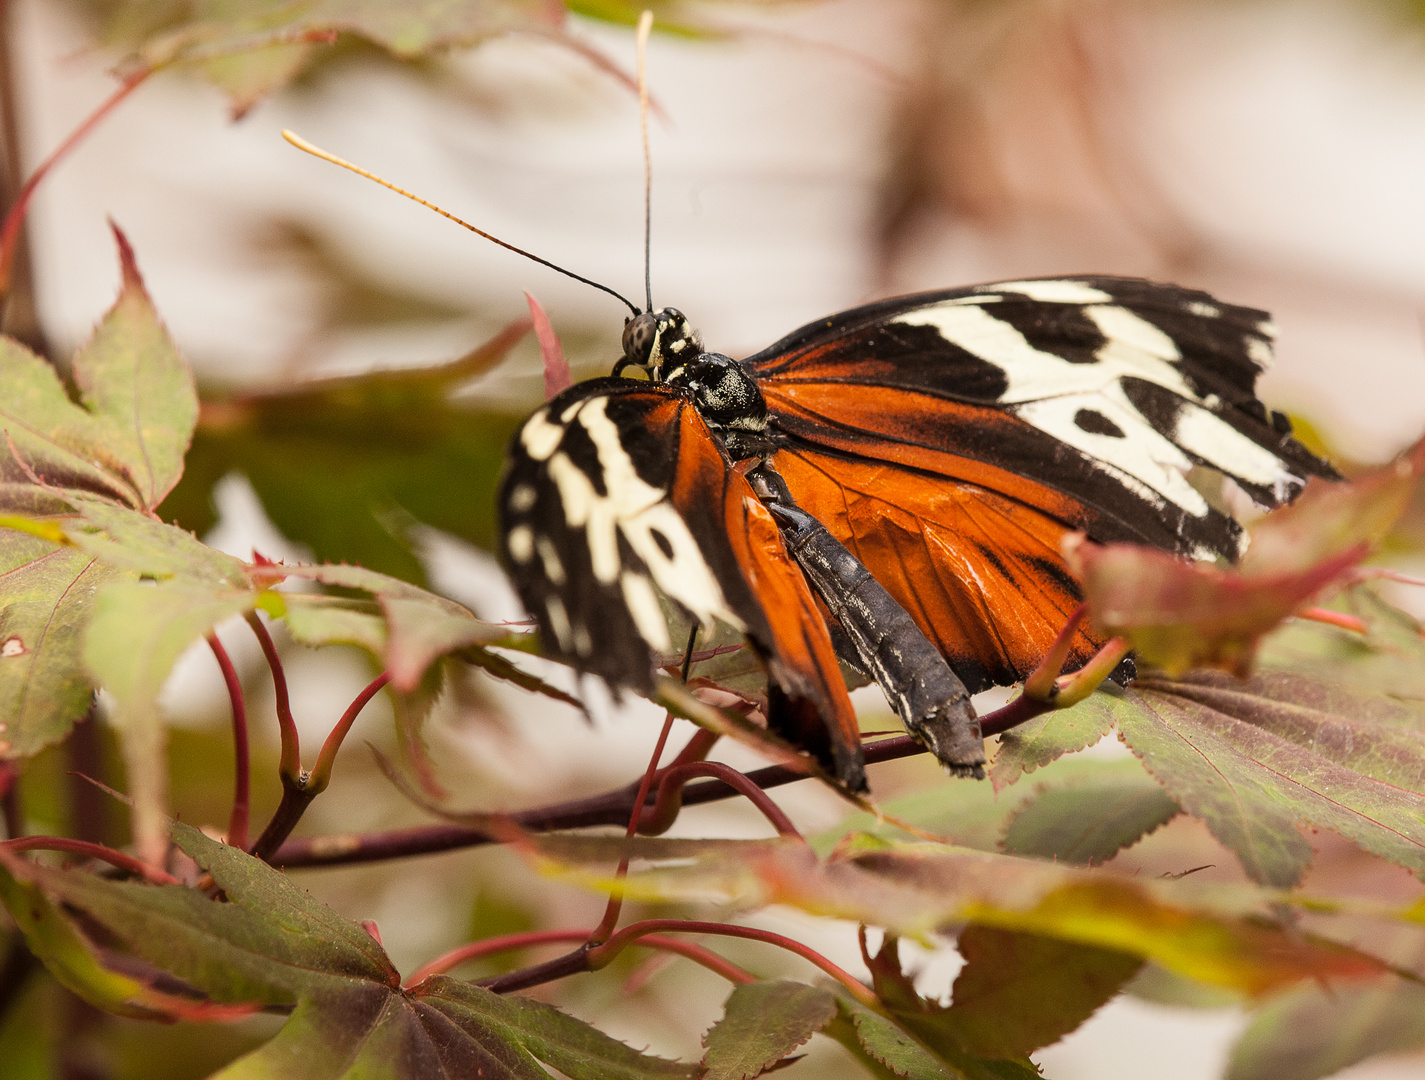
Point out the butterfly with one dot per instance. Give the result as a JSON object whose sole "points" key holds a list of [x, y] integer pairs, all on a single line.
{"points": [[890, 486]]}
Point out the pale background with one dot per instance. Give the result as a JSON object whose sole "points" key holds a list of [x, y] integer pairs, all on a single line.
{"points": [[1272, 152]]}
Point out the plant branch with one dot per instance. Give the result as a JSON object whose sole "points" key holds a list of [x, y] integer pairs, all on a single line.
{"points": [[242, 783], [611, 808], [299, 787], [93, 851], [675, 778]]}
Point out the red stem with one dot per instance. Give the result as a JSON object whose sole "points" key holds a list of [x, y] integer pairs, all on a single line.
{"points": [[290, 764], [93, 851], [592, 958], [606, 952], [615, 905], [300, 788], [476, 949], [322, 770], [10, 233], [1334, 618], [242, 782], [10, 799], [673, 779]]}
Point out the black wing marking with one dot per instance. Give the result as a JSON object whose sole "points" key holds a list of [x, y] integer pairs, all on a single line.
{"points": [[1115, 389]]}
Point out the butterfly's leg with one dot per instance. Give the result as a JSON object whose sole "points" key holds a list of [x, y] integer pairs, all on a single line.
{"points": [[931, 700]]}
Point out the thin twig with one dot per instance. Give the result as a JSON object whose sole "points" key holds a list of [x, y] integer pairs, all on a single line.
{"points": [[615, 905], [242, 785], [299, 788], [291, 760], [93, 851], [592, 959], [15, 217], [674, 779]]}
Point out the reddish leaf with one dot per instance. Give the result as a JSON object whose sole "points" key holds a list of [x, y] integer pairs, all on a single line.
{"points": [[556, 369], [1217, 934], [1018, 992], [1179, 614]]}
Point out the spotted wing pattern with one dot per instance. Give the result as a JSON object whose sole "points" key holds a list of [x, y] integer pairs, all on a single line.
{"points": [[951, 439], [616, 492]]}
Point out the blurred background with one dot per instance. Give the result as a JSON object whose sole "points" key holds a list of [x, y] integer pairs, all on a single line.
{"points": [[807, 157]]}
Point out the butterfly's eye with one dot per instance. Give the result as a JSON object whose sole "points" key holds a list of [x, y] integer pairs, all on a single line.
{"points": [[639, 334]]}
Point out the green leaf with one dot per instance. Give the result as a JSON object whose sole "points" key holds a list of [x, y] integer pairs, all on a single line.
{"points": [[762, 1023], [1036, 743], [420, 626], [126, 438], [1254, 759], [137, 632], [53, 938], [315, 619], [1087, 824], [1315, 1032], [1018, 992], [272, 943], [48, 599], [129, 540], [975, 815], [890, 1045]]}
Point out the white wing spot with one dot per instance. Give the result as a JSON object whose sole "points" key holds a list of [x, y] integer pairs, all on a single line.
{"points": [[520, 543], [1201, 310], [539, 437], [553, 568], [1055, 292], [1259, 352], [583, 644], [523, 498], [642, 604], [636, 509], [559, 622], [1135, 342]]}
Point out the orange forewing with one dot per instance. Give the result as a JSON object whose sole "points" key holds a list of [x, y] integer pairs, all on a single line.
{"points": [[980, 573]]}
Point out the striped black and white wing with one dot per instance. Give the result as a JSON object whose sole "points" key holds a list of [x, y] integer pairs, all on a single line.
{"points": [[1116, 391], [616, 492]]}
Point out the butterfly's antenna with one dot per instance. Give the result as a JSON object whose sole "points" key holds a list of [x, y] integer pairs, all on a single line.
{"points": [[645, 26], [316, 151]]}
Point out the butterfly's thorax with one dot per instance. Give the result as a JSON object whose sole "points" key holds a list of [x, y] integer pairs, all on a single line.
{"points": [[729, 401]]}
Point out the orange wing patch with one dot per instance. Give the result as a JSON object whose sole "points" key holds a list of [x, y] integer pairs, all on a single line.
{"points": [[980, 573], [807, 699]]}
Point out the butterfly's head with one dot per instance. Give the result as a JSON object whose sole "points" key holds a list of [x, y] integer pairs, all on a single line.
{"points": [[659, 342]]}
